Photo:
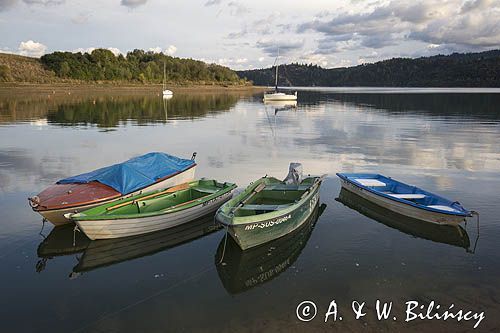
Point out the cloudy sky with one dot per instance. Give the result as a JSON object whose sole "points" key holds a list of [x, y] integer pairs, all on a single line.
{"points": [[246, 34]]}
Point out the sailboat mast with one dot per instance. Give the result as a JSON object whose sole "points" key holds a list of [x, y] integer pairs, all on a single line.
{"points": [[164, 74], [277, 65]]}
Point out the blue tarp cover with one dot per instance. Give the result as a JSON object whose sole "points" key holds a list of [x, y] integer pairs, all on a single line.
{"points": [[135, 173]]}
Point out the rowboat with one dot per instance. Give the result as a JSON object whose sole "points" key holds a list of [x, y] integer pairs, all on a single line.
{"points": [[241, 270], [270, 208], [453, 235], [138, 175], [153, 211], [404, 199]]}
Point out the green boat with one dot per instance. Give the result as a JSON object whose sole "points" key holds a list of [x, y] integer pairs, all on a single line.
{"points": [[270, 208], [153, 211]]}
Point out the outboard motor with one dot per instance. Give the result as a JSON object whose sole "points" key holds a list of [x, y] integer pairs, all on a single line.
{"points": [[294, 174]]}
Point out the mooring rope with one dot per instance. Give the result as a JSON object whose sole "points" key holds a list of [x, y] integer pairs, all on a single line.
{"points": [[43, 225], [75, 229], [473, 212], [224, 248], [145, 299]]}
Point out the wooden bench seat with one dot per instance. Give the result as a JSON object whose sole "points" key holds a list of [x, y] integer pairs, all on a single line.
{"points": [[370, 182], [407, 195], [264, 207]]}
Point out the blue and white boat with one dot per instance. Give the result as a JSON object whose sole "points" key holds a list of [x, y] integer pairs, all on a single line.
{"points": [[404, 199]]}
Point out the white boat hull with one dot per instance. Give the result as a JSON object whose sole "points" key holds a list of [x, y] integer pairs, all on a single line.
{"points": [[280, 97], [56, 216], [167, 92], [105, 229], [402, 208]]}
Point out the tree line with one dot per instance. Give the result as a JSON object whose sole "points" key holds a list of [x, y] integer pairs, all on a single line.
{"points": [[456, 70], [135, 66]]}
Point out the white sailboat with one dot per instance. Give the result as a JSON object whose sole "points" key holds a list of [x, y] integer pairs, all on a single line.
{"points": [[275, 95], [166, 93]]}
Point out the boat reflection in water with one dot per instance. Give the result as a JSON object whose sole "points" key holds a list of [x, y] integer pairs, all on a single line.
{"points": [[281, 105], [100, 253], [62, 241], [447, 234], [242, 270]]}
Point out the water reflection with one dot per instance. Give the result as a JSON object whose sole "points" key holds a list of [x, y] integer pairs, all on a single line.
{"points": [[445, 234], [451, 148], [111, 111], [242, 270], [483, 105], [101, 253]]}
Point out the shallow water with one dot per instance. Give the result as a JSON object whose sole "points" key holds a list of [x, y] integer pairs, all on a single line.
{"points": [[446, 141]]}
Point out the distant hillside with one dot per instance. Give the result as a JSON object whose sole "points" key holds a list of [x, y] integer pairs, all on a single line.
{"points": [[15, 68], [102, 65], [455, 70]]}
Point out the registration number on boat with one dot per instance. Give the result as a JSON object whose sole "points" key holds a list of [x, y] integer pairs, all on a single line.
{"points": [[269, 223], [206, 203]]}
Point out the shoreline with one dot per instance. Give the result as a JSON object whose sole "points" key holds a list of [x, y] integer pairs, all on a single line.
{"points": [[124, 86]]}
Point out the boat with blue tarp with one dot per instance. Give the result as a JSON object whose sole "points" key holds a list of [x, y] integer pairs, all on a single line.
{"points": [[141, 174]]}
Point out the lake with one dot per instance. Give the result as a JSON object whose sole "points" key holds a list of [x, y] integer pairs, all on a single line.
{"points": [[446, 141]]}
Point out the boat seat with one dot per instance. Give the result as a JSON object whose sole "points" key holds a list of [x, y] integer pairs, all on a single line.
{"points": [[440, 207], [408, 195], [204, 189], [285, 187], [264, 207], [370, 182]]}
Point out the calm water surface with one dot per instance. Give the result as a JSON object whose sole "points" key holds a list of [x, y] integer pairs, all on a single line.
{"points": [[178, 280]]}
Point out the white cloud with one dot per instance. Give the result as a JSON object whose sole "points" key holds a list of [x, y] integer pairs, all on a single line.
{"points": [[32, 49], [473, 23], [84, 50], [155, 49], [6, 50], [234, 63], [314, 58], [170, 50], [261, 59], [114, 50]]}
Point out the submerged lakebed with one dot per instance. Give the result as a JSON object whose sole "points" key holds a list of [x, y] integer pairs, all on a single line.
{"points": [[191, 278]]}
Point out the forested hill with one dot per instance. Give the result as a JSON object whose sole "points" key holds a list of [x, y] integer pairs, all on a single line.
{"points": [[137, 66], [455, 70]]}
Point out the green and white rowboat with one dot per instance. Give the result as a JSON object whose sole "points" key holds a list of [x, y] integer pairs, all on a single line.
{"points": [[268, 209], [153, 211]]}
